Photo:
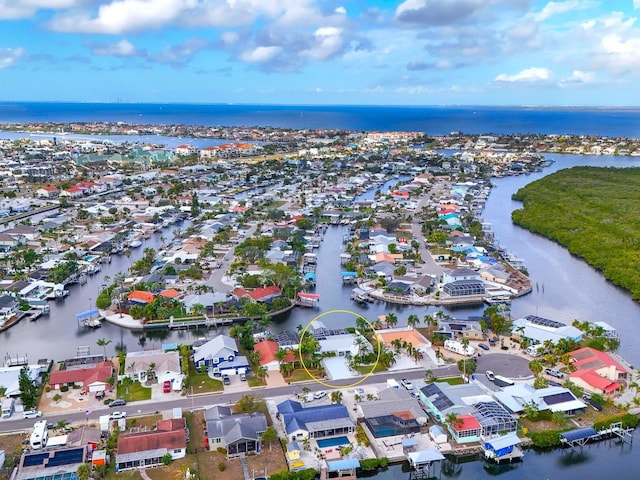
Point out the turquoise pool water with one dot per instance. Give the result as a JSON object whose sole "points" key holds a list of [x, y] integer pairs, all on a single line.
{"points": [[332, 442], [88, 258]]}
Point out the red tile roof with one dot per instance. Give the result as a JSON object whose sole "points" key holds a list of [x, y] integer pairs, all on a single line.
{"points": [[596, 381], [170, 293], [141, 296], [170, 435], [100, 373], [590, 358], [466, 422], [267, 350]]}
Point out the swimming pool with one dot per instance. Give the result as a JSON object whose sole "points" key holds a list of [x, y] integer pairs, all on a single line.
{"points": [[333, 442]]}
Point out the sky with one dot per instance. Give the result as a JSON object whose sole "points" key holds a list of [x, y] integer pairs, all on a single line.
{"points": [[411, 52]]}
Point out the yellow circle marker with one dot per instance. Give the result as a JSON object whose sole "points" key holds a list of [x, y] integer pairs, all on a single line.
{"points": [[328, 385]]}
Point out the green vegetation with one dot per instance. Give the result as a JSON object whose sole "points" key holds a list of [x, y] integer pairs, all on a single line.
{"points": [[592, 212], [546, 439], [307, 474], [133, 391], [373, 463], [628, 421]]}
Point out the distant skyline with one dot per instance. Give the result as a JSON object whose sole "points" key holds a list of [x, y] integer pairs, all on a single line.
{"points": [[317, 52]]}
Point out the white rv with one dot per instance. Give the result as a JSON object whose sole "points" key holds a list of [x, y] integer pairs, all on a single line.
{"points": [[459, 348], [39, 436]]}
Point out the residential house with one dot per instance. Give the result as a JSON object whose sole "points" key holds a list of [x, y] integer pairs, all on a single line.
{"points": [[314, 422], [477, 414], [8, 307], [220, 355], [395, 412], [153, 365], [7, 242], [147, 449], [10, 378], [93, 379], [450, 276], [262, 295], [238, 434], [267, 350], [47, 192], [516, 398], [597, 372], [540, 330], [140, 297]]}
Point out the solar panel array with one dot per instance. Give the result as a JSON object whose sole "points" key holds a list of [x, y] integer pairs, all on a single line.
{"points": [[558, 398], [436, 397], [66, 457], [34, 459], [544, 322]]}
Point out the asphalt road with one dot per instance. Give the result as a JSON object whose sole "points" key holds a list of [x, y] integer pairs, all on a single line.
{"points": [[18, 424]]}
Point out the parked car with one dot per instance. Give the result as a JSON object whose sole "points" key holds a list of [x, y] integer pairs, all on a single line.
{"points": [[100, 395], [166, 386], [554, 373], [320, 394], [226, 380], [483, 346], [117, 415], [490, 375], [406, 384], [118, 402], [32, 414], [243, 377]]}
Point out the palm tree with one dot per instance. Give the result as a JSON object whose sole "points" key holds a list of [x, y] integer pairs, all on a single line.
{"points": [[103, 342], [391, 319], [261, 373], [84, 471], [336, 396], [413, 321]]}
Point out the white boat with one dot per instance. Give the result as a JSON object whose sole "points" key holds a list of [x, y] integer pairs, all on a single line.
{"points": [[135, 243]]}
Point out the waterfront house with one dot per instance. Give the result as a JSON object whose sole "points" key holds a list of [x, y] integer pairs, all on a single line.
{"points": [[267, 350], [147, 449], [154, 365], [140, 297], [92, 379], [450, 276], [466, 401], [597, 372], [220, 355], [8, 307], [238, 434], [7, 242], [314, 422], [539, 330], [516, 398], [407, 334], [461, 288], [10, 375], [262, 295], [454, 328], [395, 412]]}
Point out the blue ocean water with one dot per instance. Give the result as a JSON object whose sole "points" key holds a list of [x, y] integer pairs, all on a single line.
{"points": [[608, 122]]}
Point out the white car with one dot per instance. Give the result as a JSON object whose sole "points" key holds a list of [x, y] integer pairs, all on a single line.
{"points": [[319, 394], [406, 384], [32, 414], [490, 375], [117, 415]]}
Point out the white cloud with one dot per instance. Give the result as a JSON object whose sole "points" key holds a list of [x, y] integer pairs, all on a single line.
{"points": [[123, 48], [343, 11], [528, 75], [179, 54], [9, 56], [260, 54], [578, 78], [620, 53], [636, 4], [328, 42], [557, 8], [14, 9], [229, 38]]}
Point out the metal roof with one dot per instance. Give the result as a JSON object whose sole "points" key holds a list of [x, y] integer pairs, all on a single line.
{"points": [[578, 434]]}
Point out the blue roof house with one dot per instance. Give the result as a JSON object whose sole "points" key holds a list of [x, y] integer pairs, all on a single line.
{"points": [[314, 422]]}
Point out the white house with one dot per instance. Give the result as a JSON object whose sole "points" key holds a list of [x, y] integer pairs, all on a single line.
{"points": [[165, 365]]}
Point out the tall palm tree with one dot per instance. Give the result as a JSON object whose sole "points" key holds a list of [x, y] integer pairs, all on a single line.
{"points": [[413, 321], [103, 342], [391, 320]]}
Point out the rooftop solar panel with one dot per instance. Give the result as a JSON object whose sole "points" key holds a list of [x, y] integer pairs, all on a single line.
{"points": [[34, 459]]}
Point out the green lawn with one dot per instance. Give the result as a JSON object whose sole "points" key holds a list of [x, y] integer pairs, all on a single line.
{"points": [[202, 383], [451, 380], [133, 392], [366, 369], [254, 381], [301, 375]]}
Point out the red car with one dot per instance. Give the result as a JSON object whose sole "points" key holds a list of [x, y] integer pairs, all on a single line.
{"points": [[166, 386]]}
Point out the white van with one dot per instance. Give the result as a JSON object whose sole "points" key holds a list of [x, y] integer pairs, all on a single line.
{"points": [[535, 350]]}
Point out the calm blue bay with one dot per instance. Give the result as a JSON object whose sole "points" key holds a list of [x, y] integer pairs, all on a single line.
{"points": [[603, 460]]}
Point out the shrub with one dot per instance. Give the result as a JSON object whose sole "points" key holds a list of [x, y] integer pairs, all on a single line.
{"points": [[546, 439], [221, 450], [222, 466], [64, 388], [628, 421], [47, 389], [166, 459]]}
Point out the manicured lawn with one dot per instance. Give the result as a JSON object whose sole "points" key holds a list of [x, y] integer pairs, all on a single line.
{"points": [[255, 381], [301, 375], [202, 383], [133, 392], [451, 380], [366, 369]]}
